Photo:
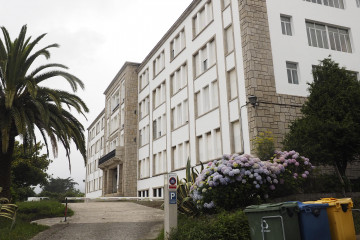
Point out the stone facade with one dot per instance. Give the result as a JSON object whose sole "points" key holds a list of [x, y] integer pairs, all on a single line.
{"points": [[120, 164], [274, 111]]}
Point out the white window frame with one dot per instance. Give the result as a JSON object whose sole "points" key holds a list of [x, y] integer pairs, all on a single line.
{"points": [[331, 3], [329, 35], [286, 27], [292, 70]]}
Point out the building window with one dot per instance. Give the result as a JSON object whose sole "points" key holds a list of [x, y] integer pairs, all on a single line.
{"points": [[209, 145], [144, 107], [322, 36], [180, 154], [177, 44], [180, 114], [202, 18], [159, 63], [122, 117], [204, 58], [144, 136], [286, 25], [159, 161], [292, 73], [207, 98], [232, 84], [115, 101], [339, 39], [159, 95], [236, 140], [159, 126], [178, 79], [358, 3], [330, 3], [102, 123], [157, 192], [97, 128], [144, 79], [122, 92], [225, 3], [229, 41], [144, 168]]}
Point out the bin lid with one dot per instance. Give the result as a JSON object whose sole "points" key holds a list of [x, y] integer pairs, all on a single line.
{"points": [[333, 201], [270, 207], [311, 205]]}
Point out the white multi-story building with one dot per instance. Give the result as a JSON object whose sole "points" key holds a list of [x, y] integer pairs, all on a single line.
{"points": [[195, 86], [93, 186]]}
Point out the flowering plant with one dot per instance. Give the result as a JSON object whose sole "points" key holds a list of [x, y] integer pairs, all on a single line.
{"points": [[239, 180]]}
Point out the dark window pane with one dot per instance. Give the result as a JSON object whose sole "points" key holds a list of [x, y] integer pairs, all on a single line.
{"points": [[313, 38], [295, 77], [283, 28], [289, 76], [288, 28], [325, 40], [319, 38], [308, 35], [332, 40]]}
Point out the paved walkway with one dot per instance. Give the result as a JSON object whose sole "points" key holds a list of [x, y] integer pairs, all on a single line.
{"points": [[105, 221]]}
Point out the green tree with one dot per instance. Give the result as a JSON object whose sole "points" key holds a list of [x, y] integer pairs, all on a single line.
{"points": [[59, 188], [329, 131], [60, 185], [28, 169], [27, 106]]}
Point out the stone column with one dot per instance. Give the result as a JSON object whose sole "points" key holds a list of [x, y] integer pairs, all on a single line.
{"points": [[259, 75], [104, 178]]}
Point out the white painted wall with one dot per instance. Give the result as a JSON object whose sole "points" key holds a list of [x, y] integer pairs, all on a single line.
{"points": [[218, 117], [296, 49], [94, 175]]}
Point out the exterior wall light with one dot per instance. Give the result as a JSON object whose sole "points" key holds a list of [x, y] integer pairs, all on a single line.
{"points": [[253, 100]]}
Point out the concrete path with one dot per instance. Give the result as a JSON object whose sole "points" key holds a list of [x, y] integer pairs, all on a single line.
{"points": [[105, 221]]}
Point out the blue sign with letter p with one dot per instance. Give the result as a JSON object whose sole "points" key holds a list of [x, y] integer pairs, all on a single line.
{"points": [[172, 197]]}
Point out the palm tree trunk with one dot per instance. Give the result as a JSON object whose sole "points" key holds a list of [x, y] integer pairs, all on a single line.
{"points": [[5, 169]]}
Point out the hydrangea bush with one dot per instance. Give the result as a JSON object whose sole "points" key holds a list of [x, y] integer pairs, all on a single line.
{"points": [[239, 180]]}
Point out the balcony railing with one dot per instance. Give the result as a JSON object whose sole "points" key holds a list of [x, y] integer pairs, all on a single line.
{"points": [[107, 157]]}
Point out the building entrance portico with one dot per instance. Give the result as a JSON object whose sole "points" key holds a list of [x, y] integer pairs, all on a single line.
{"points": [[112, 167]]}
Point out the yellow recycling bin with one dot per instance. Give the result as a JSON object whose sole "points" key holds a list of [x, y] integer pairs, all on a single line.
{"points": [[340, 217]]}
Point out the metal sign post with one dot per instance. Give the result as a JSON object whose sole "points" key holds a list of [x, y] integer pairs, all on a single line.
{"points": [[170, 203]]}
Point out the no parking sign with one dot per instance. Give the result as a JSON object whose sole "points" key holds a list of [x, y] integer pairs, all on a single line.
{"points": [[172, 181]]}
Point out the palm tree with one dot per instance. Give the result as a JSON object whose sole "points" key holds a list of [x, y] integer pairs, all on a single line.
{"points": [[27, 107]]}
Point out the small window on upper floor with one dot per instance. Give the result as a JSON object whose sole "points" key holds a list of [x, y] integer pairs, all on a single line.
{"points": [[159, 63], [144, 79], [330, 3], [202, 18], [286, 25], [292, 72], [358, 3], [204, 58], [177, 44], [225, 3]]}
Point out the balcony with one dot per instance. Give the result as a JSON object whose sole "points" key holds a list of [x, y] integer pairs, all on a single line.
{"points": [[113, 158]]}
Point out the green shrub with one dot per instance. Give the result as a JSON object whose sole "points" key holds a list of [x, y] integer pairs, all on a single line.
{"points": [[264, 145], [225, 226], [29, 211], [185, 203], [322, 183]]}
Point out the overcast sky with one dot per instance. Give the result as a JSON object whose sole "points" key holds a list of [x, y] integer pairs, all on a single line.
{"points": [[96, 37]]}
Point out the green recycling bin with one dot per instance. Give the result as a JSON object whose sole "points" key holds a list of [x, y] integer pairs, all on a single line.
{"points": [[274, 221]]}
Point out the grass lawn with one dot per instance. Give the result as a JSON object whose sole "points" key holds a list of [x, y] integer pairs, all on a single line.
{"points": [[27, 212]]}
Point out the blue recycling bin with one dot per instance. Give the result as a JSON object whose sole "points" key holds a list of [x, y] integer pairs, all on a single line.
{"points": [[313, 220]]}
